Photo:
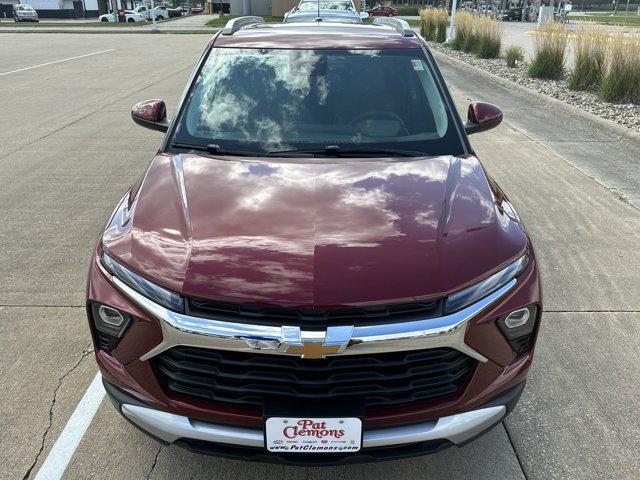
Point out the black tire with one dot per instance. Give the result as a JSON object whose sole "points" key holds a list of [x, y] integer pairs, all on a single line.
{"points": [[104, 20], [131, 20], [159, 17], [389, 15]]}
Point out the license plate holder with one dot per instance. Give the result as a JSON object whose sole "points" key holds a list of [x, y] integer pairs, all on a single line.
{"points": [[313, 434]]}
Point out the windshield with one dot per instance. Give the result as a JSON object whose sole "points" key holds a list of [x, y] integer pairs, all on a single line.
{"points": [[339, 18], [324, 5], [25, 7], [261, 100]]}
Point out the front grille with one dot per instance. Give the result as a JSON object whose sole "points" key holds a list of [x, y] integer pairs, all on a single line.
{"points": [[253, 378], [360, 315]]}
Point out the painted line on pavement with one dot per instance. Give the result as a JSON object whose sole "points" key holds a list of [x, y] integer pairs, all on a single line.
{"points": [[56, 61], [63, 449]]}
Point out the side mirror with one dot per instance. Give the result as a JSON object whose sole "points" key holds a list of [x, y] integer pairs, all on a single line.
{"points": [[151, 114], [481, 117], [363, 15]]}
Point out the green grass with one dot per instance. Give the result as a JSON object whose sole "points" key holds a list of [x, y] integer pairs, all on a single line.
{"points": [[632, 20], [221, 22]]}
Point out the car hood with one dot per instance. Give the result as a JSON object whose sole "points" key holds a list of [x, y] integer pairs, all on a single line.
{"points": [[316, 232]]}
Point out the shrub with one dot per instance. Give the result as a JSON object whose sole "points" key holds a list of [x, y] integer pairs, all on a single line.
{"points": [[470, 38], [590, 52], [442, 25], [488, 37], [549, 46], [621, 83], [428, 23], [515, 55], [464, 32], [406, 11]]}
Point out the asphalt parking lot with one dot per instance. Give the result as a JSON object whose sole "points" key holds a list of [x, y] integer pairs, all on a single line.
{"points": [[68, 151]]}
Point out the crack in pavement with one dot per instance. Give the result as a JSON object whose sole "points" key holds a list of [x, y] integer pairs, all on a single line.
{"points": [[86, 351], [513, 447], [155, 461]]}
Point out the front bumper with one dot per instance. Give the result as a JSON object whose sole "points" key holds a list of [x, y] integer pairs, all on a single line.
{"points": [[377, 443], [129, 368]]}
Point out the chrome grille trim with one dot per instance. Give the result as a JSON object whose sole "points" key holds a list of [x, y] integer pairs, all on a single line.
{"points": [[181, 329]]}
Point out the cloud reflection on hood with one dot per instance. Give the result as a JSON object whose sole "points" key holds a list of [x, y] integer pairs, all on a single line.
{"points": [[300, 233]]}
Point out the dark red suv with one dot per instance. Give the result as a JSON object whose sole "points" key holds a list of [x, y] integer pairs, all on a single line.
{"points": [[306, 276]]}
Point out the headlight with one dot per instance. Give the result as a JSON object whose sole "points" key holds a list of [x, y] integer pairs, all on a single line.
{"points": [[158, 294], [472, 294]]}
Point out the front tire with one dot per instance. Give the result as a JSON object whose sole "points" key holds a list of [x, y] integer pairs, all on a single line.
{"points": [[131, 20], [104, 20]]}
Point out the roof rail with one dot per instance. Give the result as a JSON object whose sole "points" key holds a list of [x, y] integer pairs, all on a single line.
{"points": [[402, 26], [236, 24]]}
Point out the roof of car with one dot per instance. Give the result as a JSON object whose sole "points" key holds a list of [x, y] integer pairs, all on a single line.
{"points": [[317, 35]]}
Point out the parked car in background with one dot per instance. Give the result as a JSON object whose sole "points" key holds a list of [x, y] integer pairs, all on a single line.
{"points": [[163, 13], [328, 10], [197, 10], [24, 13], [144, 11], [511, 15], [130, 17], [382, 11], [314, 277]]}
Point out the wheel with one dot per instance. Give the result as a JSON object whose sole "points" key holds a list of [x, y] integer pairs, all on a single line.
{"points": [[160, 17], [104, 20], [131, 20], [389, 14]]}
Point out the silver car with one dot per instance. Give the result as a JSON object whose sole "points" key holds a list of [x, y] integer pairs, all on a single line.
{"points": [[24, 13], [343, 11]]}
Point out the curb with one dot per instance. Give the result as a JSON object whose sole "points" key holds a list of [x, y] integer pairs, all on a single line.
{"points": [[610, 125]]}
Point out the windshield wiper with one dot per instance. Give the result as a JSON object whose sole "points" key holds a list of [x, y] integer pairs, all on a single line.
{"points": [[216, 149], [336, 151]]}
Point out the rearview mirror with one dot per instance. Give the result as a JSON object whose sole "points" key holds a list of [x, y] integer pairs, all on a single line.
{"points": [[482, 117], [151, 114]]}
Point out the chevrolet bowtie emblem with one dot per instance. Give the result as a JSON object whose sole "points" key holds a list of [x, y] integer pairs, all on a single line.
{"points": [[313, 350], [310, 344]]}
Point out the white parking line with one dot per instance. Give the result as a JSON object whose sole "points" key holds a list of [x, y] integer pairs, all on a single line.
{"points": [[60, 455], [56, 61]]}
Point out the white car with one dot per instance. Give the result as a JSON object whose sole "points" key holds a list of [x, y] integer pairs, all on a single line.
{"points": [[144, 11], [161, 12], [130, 15]]}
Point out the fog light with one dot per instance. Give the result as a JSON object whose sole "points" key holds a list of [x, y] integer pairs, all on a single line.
{"points": [[517, 319], [518, 323], [112, 316], [109, 320]]}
